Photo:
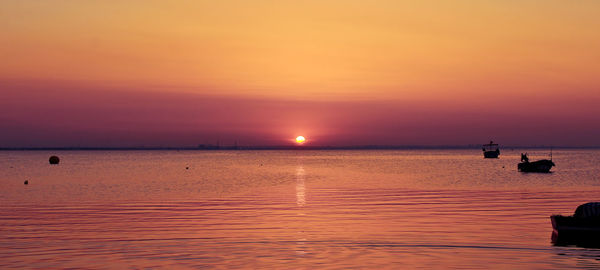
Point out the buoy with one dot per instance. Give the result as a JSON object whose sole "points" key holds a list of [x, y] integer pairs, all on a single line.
{"points": [[54, 160], [26, 182]]}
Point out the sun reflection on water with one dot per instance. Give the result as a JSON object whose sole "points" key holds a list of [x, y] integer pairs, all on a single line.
{"points": [[300, 189]]}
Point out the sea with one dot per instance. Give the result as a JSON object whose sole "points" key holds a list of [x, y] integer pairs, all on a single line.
{"points": [[291, 209]]}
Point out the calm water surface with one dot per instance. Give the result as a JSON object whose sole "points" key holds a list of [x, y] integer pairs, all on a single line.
{"points": [[290, 209]]}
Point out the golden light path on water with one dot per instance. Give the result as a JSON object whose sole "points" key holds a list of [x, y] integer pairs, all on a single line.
{"points": [[300, 192]]}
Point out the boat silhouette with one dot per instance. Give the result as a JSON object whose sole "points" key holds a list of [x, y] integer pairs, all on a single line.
{"points": [[582, 228], [541, 166], [490, 150]]}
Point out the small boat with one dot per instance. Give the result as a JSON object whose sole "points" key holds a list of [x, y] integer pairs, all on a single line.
{"points": [[541, 166], [490, 150], [582, 228]]}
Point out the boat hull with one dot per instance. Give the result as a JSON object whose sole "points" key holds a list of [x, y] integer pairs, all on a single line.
{"points": [[491, 154], [541, 166], [569, 230]]}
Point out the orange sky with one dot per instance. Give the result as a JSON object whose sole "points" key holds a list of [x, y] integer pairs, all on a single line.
{"points": [[320, 68]]}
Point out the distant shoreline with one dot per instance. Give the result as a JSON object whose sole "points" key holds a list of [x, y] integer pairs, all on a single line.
{"points": [[244, 148]]}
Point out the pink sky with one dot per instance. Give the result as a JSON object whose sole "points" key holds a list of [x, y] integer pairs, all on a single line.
{"points": [[339, 72], [46, 113]]}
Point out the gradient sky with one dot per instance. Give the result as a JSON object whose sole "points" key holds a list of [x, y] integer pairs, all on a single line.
{"points": [[183, 73]]}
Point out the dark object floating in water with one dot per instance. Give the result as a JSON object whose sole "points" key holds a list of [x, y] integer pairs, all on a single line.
{"points": [[490, 150], [582, 228], [26, 182], [541, 166], [54, 160]]}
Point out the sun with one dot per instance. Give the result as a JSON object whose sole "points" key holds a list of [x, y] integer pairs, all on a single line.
{"points": [[300, 139]]}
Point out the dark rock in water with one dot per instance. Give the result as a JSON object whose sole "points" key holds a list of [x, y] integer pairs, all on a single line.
{"points": [[26, 182], [54, 160]]}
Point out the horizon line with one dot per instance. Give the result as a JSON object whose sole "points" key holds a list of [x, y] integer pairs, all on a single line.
{"points": [[288, 147]]}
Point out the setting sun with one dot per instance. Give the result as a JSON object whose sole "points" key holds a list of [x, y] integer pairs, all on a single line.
{"points": [[300, 139]]}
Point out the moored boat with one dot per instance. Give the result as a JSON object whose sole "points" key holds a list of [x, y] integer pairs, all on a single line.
{"points": [[582, 228], [490, 150], [542, 166]]}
